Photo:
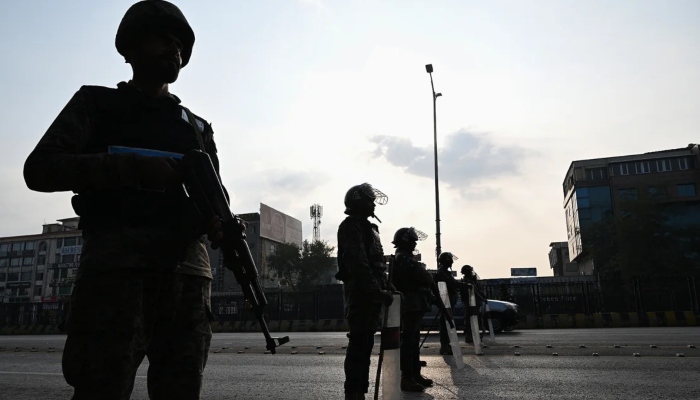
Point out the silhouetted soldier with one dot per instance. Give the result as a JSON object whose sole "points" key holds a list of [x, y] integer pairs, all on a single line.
{"points": [[362, 270], [469, 278], [413, 280], [143, 284], [445, 261]]}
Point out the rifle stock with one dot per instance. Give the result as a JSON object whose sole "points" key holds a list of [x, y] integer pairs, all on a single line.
{"points": [[203, 186]]}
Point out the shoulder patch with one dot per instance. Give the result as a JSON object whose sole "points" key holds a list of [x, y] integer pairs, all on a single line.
{"points": [[200, 124]]}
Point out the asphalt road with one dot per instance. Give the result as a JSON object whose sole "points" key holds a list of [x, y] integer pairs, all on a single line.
{"points": [[238, 369]]}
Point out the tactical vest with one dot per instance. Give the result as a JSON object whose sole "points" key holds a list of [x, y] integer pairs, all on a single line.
{"points": [[126, 117]]}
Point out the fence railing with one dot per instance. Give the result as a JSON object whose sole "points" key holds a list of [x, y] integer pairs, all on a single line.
{"points": [[327, 302]]}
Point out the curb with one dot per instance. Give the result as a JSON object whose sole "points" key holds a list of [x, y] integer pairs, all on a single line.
{"points": [[611, 320]]}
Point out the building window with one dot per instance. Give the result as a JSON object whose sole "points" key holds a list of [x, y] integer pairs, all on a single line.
{"points": [[37, 290], [683, 163], [4, 248], [642, 167], [26, 276], [596, 173], [28, 261], [628, 194], [15, 262], [39, 276], [17, 246], [70, 241], [663, 165], [686, 190], [42, 246], [3, 262], [13, 277], [41, 260], [68, 258], [657, 192], [29, 245], [59, 242], [624, 169]]}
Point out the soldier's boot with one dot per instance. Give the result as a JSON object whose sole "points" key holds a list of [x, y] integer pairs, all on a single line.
{"points": [[354, 396], [423, 381], [410, 385], [446, 350]]}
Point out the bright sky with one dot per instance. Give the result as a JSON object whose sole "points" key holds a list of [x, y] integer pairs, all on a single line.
{"points": [[308, 98]]}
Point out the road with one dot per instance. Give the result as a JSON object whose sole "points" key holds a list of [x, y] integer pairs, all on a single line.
{"points": [[311, 367]]}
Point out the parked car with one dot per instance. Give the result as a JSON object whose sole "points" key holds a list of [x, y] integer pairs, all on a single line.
{"points": [[504, 315]]}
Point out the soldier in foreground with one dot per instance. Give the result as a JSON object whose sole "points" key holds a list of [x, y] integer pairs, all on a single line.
{"points": [[362, 270], [413, 280], [445, 261], [143, 284]]}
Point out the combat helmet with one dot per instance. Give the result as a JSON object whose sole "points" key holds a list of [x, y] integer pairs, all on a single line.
{"points": [[150, 15], [407, 237], [361, 197], [447, 259]]}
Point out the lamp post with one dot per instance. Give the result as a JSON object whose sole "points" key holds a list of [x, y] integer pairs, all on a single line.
{"points": [[438, 249]]}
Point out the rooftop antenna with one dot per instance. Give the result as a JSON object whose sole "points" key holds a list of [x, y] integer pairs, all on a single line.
{"points": [[316, 213]]}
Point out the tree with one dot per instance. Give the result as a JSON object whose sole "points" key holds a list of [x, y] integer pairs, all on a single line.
{"points": [[300, 268]]}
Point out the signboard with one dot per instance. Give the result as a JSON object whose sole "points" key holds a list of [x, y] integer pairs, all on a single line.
{"points": [[21, 285], [48, 299], [280, 227], [523, 272], [71, 250]]}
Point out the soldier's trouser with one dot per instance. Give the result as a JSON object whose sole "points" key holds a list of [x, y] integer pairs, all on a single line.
{"points": [[364, 323], [410, 343], [444, 336], [118, 317]]}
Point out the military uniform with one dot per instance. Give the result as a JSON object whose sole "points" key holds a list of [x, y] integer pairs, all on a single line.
{"points": [[453, 286], [144, 280], [413, 281], [363, 272], [480, 299]]}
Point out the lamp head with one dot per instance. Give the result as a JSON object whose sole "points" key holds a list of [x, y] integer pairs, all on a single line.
{"points": [[429, 68]]}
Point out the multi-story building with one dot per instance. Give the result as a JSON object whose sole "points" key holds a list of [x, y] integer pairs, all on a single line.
{"points": [[596, 188], [40, 268], [559, 260]]}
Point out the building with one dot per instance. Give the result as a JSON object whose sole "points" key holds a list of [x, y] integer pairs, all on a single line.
{"points": [[559, 260], [40, 268], [596, 188]]}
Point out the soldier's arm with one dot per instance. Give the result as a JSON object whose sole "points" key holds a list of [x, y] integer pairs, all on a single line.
{"points": [[355, 258], [210, 147], [56, 165]]}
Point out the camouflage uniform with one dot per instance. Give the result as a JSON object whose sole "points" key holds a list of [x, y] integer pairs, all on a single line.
{"points": [[363, 272], [414, 281], [144, 280]]}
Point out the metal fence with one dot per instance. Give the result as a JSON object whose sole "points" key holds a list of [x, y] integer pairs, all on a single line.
{"points": [[540, 296], [594, 295]]}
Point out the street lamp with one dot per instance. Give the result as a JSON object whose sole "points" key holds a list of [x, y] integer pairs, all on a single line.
{"points": [[429, 70]]}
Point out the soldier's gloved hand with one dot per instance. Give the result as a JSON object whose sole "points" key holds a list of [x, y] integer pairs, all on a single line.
{"points": [[386, 297], [159, 172], [214, 232]]}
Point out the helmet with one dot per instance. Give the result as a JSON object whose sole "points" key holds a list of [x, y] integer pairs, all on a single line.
{"points": [[407, 237], [154, 14], [361, 197], [447, 259], [467, 270]]}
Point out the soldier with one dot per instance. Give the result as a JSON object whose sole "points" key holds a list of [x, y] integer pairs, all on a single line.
{"points": [[143, 284], [362, 270], [445, 261], [413, 280], [469, 278]]}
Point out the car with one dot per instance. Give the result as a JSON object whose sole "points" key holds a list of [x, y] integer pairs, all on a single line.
{"points": [[504, 316]]}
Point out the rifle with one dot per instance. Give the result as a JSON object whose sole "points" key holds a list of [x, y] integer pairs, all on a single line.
{"points": [[203, 186]]}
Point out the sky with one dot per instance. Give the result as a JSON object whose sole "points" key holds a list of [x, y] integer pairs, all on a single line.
{"points": [[310, 97]]}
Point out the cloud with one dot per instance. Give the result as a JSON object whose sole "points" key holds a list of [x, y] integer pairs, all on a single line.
{"points": [[467, 160]]}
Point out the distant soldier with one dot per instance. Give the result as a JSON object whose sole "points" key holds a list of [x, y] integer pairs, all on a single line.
{"points": [[413, 280], [362, 270], [445, 261], [143, 284], [469, 278]]}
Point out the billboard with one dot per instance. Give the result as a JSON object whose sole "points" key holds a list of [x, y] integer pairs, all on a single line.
{"points": [[523, 272], [280, 227]]}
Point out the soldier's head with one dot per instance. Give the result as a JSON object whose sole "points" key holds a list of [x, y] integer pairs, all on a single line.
{"points": [[361, 200], [467, 270], [156, 39], [446, 259], [407, 238]]}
